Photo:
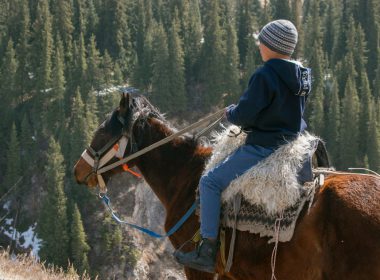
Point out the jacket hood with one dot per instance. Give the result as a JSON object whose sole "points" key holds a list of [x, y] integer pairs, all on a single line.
{"points": [[296, 77]]}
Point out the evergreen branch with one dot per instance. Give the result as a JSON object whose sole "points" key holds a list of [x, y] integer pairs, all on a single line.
{"points": [[18, 181]]}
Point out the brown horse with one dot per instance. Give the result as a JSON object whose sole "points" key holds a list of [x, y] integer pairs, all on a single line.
{"points": [[339, 238]]}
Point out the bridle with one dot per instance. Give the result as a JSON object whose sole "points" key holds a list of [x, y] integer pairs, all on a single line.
{"points": [[98, 159], [115, 147]]}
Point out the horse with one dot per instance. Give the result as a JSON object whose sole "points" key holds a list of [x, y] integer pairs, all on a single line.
{"points": [[337, 238]]}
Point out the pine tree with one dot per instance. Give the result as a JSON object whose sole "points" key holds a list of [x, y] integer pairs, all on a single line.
{"points": [[313, 42], [92, 18], [316, 117], [252, 60], [79, 18], [13, 169], [281, 9], [63, 15], [139, 36], [27, 144], [371, 26], [339, 45], [360, 54], [8, 81], [296, 18], [114, 33], [42, 47], [376, 82], [364, 116], [118, 75], [347, 69], [23, 50], [53, 224], [55, 113], [42, 44], [11, 19], [331, 29], [141, 76], [160, 80], [246, 24], [94, 76], [91, 115], [349, 126], [231, 71], [266, 14], [373, 141], [176, 69], [79, 66], [192, 36], [79, 246], [79, 137], [333, 122], [111, 235], [107, 70], [212, 55]]}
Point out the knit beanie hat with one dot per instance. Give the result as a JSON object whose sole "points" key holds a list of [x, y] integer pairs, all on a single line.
{"points": [[280, 36]]}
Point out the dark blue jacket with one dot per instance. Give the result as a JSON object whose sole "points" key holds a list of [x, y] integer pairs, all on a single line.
{"points": [[272, 107]]}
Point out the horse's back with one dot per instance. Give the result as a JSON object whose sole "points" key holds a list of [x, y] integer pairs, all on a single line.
{"points": [[339, 238], [351, 227]]}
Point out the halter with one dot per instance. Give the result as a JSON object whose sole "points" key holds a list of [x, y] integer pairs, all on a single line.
{"points": [[98, 161], [114, 148]]}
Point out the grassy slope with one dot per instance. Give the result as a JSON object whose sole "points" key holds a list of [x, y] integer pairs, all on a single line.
{"points": [[25, 268]]}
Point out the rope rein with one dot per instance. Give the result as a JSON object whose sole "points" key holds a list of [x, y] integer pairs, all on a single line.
{"points": [[117, 147], [218, 115]]}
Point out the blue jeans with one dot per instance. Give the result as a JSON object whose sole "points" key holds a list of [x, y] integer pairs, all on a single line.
{"points": [[218, 179]]}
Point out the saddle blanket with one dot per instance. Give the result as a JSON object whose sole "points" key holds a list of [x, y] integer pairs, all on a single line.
{"points": [[271, 193]]}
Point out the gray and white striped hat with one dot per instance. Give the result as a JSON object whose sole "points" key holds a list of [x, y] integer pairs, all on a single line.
{"points": [[280, 36]]}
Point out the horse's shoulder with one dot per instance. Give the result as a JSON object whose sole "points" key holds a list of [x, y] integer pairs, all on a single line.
{"points": [[355, 194]]}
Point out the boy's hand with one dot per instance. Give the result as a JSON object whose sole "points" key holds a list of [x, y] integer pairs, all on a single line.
{"points": [[227, 109]]}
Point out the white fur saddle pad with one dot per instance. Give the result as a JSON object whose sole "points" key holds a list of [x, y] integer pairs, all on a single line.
{"points": [[270, 189]]}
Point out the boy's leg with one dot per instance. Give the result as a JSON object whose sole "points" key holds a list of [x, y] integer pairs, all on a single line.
{"points": [[216, 180]]}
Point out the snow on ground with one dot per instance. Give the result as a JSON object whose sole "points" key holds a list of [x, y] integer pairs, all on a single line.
{"points": [[26, 240], [109, 90], [7, 205]]}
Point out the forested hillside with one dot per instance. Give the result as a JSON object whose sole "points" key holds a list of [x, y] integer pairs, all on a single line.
{"points": [[62, 60]]}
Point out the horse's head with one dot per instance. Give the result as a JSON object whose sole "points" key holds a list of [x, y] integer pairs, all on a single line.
{"points": [[113, 140]]}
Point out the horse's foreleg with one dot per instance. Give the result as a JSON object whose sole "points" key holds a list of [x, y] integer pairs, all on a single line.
{"points": [[193, 274]]}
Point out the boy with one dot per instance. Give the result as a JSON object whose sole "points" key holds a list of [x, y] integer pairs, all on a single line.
{"points": [[271, 111]]}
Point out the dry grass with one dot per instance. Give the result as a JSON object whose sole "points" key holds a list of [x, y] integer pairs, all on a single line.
{"points": [[25, 267]]}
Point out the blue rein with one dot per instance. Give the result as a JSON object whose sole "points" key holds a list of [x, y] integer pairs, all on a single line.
{"points": [[107, 202]]}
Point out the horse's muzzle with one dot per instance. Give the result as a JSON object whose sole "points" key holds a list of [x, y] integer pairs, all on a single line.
{"points": [[84, 174]]}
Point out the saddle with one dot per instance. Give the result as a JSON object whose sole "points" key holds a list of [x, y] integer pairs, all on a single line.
{"points": [[276, 189]]}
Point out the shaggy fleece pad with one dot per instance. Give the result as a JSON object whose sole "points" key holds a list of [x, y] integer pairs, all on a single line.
{"points": [[270, 190]]}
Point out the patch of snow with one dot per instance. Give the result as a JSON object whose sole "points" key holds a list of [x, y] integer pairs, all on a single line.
{"points": [[109, 90], [46, 90], [29, 237], [7, 205], [31, 240], [8, 221]]}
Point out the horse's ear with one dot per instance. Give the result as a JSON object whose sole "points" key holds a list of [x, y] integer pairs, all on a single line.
{"points": [[124, 103]]}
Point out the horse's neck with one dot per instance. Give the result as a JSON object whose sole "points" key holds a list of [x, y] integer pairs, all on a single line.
{"points": [[172, 170]]}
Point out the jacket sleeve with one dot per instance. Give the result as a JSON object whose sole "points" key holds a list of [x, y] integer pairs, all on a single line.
{"points": [[254, 99]]}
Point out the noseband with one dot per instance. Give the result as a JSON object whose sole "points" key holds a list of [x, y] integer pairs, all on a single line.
{"points": [[114, 148]]}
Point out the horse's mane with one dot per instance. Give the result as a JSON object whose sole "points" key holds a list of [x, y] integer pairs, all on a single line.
{"points": [[144, 110]]}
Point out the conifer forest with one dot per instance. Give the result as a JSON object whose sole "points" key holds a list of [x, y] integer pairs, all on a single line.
{"points": [[62, 61]]}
